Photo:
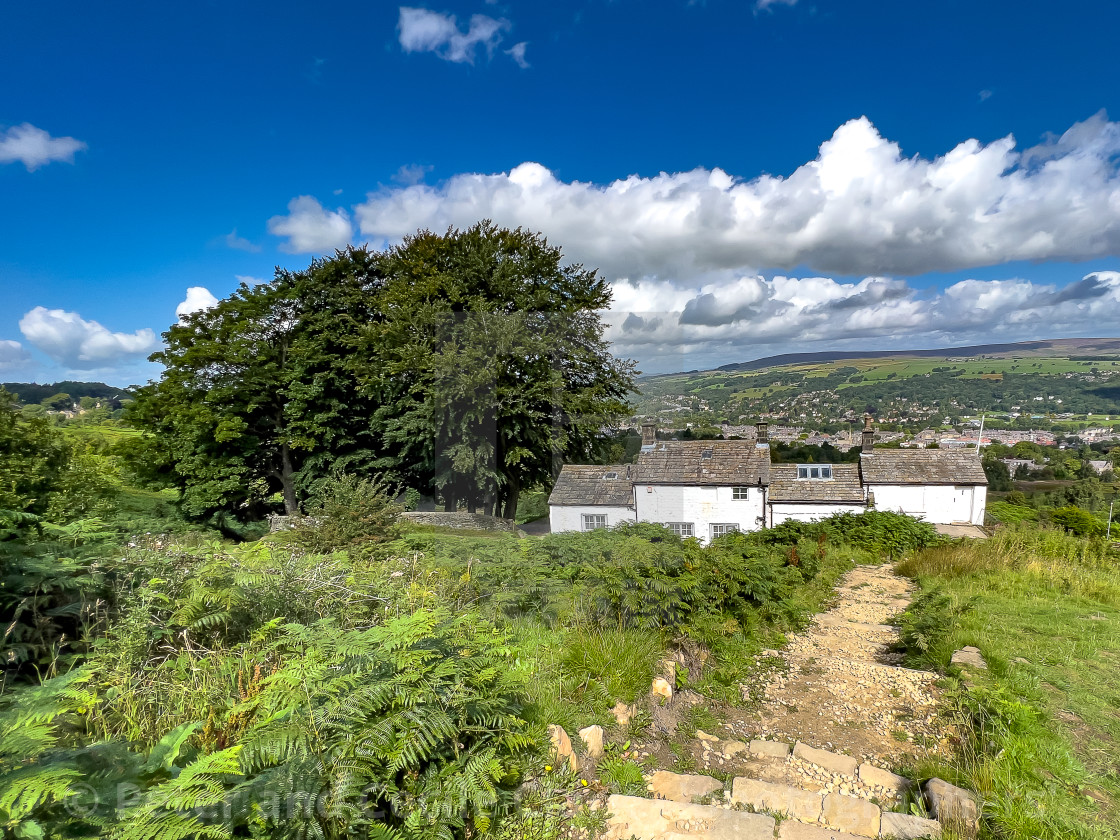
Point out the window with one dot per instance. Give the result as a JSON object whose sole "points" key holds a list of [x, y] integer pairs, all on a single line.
{"points": [[740, 493], [681, 529], [611, 475], [722, 528], [591, 521], [706, 454], [814, 471]]}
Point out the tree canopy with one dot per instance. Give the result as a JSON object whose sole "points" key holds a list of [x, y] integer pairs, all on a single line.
{"points": [[465, 365]]}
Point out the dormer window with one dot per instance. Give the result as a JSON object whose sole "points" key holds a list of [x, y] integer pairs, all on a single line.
{"points": [[814, 471]]}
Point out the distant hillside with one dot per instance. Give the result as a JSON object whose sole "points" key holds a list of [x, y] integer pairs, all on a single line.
{"points": [[1052, 347], [32, 393]]}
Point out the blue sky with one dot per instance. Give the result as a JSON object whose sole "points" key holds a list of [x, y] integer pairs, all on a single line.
{"points": [[752, 177]]}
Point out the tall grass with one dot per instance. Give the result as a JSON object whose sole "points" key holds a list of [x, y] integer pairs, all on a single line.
{"points": [[1040, 728]]}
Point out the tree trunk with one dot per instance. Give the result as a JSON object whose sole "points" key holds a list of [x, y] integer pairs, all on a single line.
{"points": [[450, 503], [287, 482], [511, 499]]}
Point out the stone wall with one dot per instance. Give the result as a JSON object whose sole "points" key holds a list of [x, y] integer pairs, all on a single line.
{"points": [[473, 521]]}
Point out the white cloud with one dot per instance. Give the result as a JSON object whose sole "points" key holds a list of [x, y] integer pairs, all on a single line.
{"points": [[730, 319], [422, 30], [766, 5], [311, 229], [517, 53], [34, 147], [12, 355], [240, 243], [412, 173], [860, 207], [76, 343], [249, 280], [198, 298]]}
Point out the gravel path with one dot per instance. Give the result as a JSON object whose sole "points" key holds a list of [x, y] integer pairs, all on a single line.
{"points": [[839, 685]]}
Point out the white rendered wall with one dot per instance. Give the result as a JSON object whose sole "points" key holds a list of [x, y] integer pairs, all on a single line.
{"points": [[937, 503], [779, 512], [702, 506], [570, 517]]}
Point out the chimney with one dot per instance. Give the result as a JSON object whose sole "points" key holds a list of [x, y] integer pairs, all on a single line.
{"points": [[868, 435], [763, 432], [649, 433]]}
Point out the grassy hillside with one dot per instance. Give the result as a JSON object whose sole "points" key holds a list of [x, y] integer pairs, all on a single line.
{"points": [[897, 387], [1041, 725]]}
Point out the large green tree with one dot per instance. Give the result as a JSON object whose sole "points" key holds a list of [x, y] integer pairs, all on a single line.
{"points": [[467, 365], [257, 394], [495, 349]]}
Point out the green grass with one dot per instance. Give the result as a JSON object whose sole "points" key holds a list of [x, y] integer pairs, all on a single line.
{"points": [[1043, 722], [578, 674]]}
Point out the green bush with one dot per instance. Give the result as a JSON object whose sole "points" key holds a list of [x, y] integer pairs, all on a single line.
{"points": [[349, 513], [1076, 521]]}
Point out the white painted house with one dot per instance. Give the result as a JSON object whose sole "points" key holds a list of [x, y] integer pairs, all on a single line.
{"points": [[705, 489], [939, 486], [808, 492]]}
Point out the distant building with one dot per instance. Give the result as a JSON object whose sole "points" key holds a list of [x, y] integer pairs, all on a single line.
{"points": [[705, 489]]}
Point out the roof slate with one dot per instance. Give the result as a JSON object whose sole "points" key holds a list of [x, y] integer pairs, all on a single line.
{"points": [[579, 484], [732, 463], [921, 466], [843, 487]]}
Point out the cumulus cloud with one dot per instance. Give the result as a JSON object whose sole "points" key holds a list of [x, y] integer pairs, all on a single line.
{"points": [[731, 319], [79, 344], [12, 355], [310, 229], [422, 30], [198, 298], [859, 208], [34, 147]]}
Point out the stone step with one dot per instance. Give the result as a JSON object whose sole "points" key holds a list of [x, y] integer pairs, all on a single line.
{"points": [[679, 787], [806, 816], [863, 663], [651, 819], [841, 623]]}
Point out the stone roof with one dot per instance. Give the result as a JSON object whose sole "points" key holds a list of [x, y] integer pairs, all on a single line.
{"points": [[921, 466], [723, 463], [579, 484], [844, 486]]}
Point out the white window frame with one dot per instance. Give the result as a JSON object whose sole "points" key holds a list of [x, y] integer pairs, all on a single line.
{"points": [[721, 529], [806, 471], [740, 494], [681, 529], [593, 521]]}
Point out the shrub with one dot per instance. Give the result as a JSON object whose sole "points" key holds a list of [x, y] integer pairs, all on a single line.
{"points": [[1076, 521], [349, 513]]}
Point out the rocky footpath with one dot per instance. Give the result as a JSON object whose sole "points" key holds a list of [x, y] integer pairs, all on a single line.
{"points": [[809, 757]]}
